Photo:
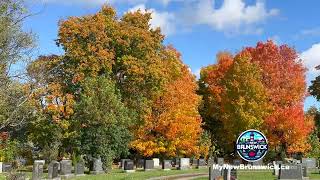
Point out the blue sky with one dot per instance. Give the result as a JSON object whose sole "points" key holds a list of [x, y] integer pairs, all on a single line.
{"points": [[201, 28]]}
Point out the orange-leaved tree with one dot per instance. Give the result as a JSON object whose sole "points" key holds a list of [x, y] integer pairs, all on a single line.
{"points": [[174, 126], [283, 76]]}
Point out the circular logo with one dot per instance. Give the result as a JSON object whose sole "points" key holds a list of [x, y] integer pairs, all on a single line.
{"points": [[252, 145]]}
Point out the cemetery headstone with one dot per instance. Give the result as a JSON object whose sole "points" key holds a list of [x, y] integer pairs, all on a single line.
{"points": [[37, 170], [201, 163], [53, 169], [211, 162], [176, 162], [194, 162], [96, 166], [214, 173], [66, 168], [292, 172], [156, 162], [148, 165], [122, 163], [184, 163], [220, 161], [6, 167], [129, 166], [79, 168], [310, 162], [305, 172], [236, 162], [140, 163], [166, 165]]}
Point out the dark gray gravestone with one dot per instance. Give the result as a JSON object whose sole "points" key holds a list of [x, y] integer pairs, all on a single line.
{"points": [[37, 170], [6, 167], [96, 166], [310, 162], [140, 163], [184, 163], [201, 163], [214, 173], [194, 162], [236, 162], [79, 169], [220, 161], [176, 162], [65, 167], [122, 163], [148, 165], [166, 165], [53, 170], [292, 172], [129, 166], [305, 171]]}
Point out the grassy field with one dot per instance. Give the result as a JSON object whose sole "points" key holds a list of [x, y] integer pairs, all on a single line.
{"points": [[141, 175]]}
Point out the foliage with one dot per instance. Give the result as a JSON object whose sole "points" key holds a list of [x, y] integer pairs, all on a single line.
{"points": [[8, 150], [211, 88], [102, 121], [313, 138], [314, 89], [173, 129], [268, 89], [244, 104], [284, 79], [15, 46], [127, 52]]}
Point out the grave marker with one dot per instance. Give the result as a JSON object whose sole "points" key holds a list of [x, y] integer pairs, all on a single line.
{"points": [[37, 170]]}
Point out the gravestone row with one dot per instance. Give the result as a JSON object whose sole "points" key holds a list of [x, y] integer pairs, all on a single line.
{"points": [[150, 164], [63, 169]]}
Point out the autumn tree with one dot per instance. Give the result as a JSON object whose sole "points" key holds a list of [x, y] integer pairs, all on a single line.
{"points": [[211, 89], [124, 50], [236, 100], [173, 128], [244, 104], [283, 76], [279, 91]]}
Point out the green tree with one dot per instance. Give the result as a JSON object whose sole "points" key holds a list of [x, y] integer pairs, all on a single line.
{"points": [[102, 120], [15, 46]]}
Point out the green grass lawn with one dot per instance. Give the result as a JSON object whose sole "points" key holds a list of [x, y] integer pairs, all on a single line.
{"points": [[117, 174], [138, 175]]}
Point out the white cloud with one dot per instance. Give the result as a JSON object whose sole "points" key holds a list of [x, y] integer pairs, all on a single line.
{"points": [[230, 17], [311, 58], [164, 20]]}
